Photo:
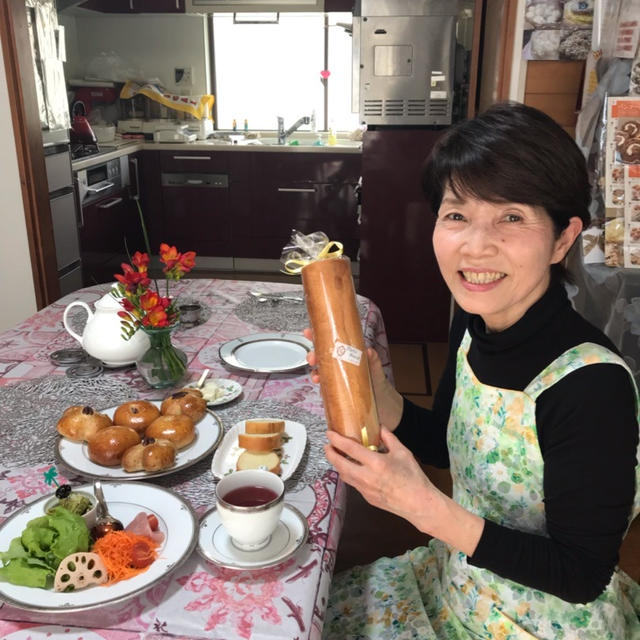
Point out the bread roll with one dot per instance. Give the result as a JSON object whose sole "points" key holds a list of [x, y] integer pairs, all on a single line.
{"points": [[260, 441], [178, 429], [250, 460], [138, 415], [80, 423], [108, 445], [345, 382], [149, 455], [187, 402], [264, 426]]}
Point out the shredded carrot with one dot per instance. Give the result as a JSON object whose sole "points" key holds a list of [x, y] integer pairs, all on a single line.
{"points": [[115, 550]]}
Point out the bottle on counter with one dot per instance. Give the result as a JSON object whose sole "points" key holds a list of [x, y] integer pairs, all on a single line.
{"points": [[234, 125], [246, 125]]}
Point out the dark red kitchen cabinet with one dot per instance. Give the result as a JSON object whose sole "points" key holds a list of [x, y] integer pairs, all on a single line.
{"points": [[398, 269], [135, 6], [110, 231], [339, 5], [307, 192], [148, 172]]}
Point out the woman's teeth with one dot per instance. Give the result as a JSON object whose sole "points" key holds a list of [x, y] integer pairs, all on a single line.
{"points": [[483, 277]]}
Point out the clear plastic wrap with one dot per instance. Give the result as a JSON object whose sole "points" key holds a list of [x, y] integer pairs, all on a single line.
{"points": [[345, 381]]}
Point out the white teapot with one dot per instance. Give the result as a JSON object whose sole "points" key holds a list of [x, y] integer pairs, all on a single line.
{"points": [[102, 336]]}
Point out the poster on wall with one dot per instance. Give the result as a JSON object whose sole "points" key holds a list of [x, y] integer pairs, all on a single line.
{"points": [[557, 29]]}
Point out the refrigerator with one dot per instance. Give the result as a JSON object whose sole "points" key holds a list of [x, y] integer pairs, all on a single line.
{"points": [[48, 53]]}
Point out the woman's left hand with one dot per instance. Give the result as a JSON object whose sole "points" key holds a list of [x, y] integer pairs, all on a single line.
{"points": [[393, 481]]}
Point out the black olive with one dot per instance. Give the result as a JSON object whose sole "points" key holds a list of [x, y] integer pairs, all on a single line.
{"points": [[63, 491], [87, 411], [179, 394], [146, 441]]}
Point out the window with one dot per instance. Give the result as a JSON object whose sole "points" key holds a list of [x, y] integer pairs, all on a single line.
{"points": [[268, 70]]}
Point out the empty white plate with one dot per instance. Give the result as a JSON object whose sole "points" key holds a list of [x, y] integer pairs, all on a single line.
{"points": [[214, 544], [267, 352]]}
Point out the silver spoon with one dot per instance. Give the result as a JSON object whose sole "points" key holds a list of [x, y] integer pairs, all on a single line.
{"points": [[104, 521], [265, 297]]}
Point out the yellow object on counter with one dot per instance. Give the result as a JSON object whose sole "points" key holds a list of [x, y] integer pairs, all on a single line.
{"points": [[197, 106], [332, 140]]}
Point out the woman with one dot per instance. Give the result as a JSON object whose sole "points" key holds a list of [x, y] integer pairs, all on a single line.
{"points": [[536, 415]]}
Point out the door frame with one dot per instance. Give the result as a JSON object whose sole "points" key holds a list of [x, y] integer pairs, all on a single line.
{"points": [[18, 63]]}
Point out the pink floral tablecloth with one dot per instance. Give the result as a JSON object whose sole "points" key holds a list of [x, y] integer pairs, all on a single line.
{"points": [[199, 599]]}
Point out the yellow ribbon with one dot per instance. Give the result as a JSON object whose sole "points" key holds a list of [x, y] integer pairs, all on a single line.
{"points": [[332, 249]]}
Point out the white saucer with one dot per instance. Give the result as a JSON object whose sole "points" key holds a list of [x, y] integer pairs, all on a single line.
{"points": [[214, 544]]}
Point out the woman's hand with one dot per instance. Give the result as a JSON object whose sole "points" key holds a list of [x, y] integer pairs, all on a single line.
{"points": [[388, 401], [395, 482]]}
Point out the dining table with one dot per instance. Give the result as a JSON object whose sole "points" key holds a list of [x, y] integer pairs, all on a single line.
{"points": [[197, 598]]}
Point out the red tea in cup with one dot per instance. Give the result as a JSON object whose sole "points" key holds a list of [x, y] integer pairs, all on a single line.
{"points": [[249, 496]]}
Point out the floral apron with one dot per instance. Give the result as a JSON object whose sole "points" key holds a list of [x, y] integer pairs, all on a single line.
{"points": [[497, 469]]}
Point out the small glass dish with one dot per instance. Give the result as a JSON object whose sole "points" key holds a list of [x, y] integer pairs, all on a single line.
{"points": [[89, 517]]}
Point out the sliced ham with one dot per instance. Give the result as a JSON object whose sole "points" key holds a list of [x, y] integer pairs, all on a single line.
{"points": [[140, 526]]}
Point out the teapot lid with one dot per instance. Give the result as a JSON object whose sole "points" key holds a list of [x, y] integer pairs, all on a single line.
{"points": [[109, 302]]}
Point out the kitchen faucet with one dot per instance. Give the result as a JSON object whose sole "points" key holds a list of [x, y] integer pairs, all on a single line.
{"points": [[282, 134]]}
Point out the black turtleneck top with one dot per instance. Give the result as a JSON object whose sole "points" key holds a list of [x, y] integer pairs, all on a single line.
{"points": [[588, 435]]}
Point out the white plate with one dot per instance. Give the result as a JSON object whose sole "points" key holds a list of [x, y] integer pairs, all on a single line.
{"points": [[74, 455], [231, 388], [124, 500], [225, 458], [267, 352], [214, 544]]}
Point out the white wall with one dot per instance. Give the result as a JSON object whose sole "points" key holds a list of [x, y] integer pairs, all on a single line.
{"points": [[154, 43], [17, 291]]}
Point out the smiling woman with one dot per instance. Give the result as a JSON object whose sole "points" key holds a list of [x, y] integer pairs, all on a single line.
{"points": [[528, 544]]}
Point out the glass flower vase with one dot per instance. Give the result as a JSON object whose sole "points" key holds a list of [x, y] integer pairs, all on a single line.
{"points": [[162, 365]]}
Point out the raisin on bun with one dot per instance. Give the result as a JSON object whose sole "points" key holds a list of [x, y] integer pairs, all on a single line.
{"points": [[80, 423], [138, 415], [149, 455], [185, 402], [178, 429], [108, 445]]}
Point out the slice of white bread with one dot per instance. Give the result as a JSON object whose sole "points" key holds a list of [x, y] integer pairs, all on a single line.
{"points": [[264, 426], [260, 442], [251, 460]]}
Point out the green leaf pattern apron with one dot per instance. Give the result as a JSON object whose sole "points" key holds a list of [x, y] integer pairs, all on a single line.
{"points": [[497, 469]]}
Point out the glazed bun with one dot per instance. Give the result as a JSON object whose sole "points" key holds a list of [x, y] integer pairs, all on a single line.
{"points": [[108, 445], [80, 423], [178, 429], [138, 415], [186, 402], [149, 455]]}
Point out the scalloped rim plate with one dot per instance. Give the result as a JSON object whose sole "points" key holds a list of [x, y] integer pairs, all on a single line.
{"points": [[267, 352], [125, 500], [73, 455], [225, 458]]}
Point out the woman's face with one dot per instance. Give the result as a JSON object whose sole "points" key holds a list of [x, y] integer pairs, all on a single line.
{"points": [[496, 257]]}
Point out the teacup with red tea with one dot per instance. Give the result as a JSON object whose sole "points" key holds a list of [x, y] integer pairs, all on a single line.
{"points": [[249, 504]]}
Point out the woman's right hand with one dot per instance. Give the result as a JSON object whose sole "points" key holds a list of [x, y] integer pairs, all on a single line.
{"points": [[388, 401]]}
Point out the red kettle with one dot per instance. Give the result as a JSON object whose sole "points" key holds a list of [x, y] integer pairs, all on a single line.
{"points": [[81, 131]]}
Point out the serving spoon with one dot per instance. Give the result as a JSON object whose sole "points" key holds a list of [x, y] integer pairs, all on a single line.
{"points": [[104, 521]]}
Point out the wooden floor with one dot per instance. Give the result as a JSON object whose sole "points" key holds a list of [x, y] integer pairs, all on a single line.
{"points": [[370, 533]]}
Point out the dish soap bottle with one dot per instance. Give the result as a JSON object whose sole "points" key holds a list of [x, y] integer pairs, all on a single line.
{"points": [[246, 125], [331, 139]]}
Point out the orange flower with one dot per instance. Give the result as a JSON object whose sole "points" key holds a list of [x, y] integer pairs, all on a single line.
{"points": [[149, 300], [141, 261], [156, 318], [187, 261], [169, 256]]}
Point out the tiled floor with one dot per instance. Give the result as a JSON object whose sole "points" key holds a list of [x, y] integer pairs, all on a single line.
{"points": [[370, 533]]}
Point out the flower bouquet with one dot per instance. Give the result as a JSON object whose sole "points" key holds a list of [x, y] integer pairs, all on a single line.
{"points": [[163, 365]]}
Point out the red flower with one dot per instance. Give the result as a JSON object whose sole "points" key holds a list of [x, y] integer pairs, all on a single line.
{"points": [[187, 261], [131, 279], [141, 261], [149, 300], [156, 318], [168, 256]]}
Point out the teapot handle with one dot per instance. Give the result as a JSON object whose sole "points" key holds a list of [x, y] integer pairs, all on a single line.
{"points": [[64, 318]]}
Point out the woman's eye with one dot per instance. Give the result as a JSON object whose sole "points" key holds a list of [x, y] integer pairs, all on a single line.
{"points": [[513, 217], [454, 216]]}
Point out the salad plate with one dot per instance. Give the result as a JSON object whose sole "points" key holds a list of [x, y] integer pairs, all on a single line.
{"points": [[294, 442], [124, 500], [267, 352], [74, 456], [215, 545]]}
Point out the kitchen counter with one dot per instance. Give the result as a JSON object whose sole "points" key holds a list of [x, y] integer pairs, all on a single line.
{"points": [[127, 147]]}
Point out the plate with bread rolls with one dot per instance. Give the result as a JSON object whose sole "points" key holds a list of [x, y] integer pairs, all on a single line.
{"points": [[138, 439], [261, 443]]}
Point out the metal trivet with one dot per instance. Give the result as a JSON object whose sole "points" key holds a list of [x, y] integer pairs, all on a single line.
{"points": [[67, 357], [85, 370]]}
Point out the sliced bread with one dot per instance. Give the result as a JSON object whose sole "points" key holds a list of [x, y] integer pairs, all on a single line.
{"points": [[260, 442], [250, 460], [264, 426]]}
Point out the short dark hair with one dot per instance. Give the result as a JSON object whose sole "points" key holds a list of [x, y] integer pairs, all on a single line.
{"points": [[511, 153]]}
